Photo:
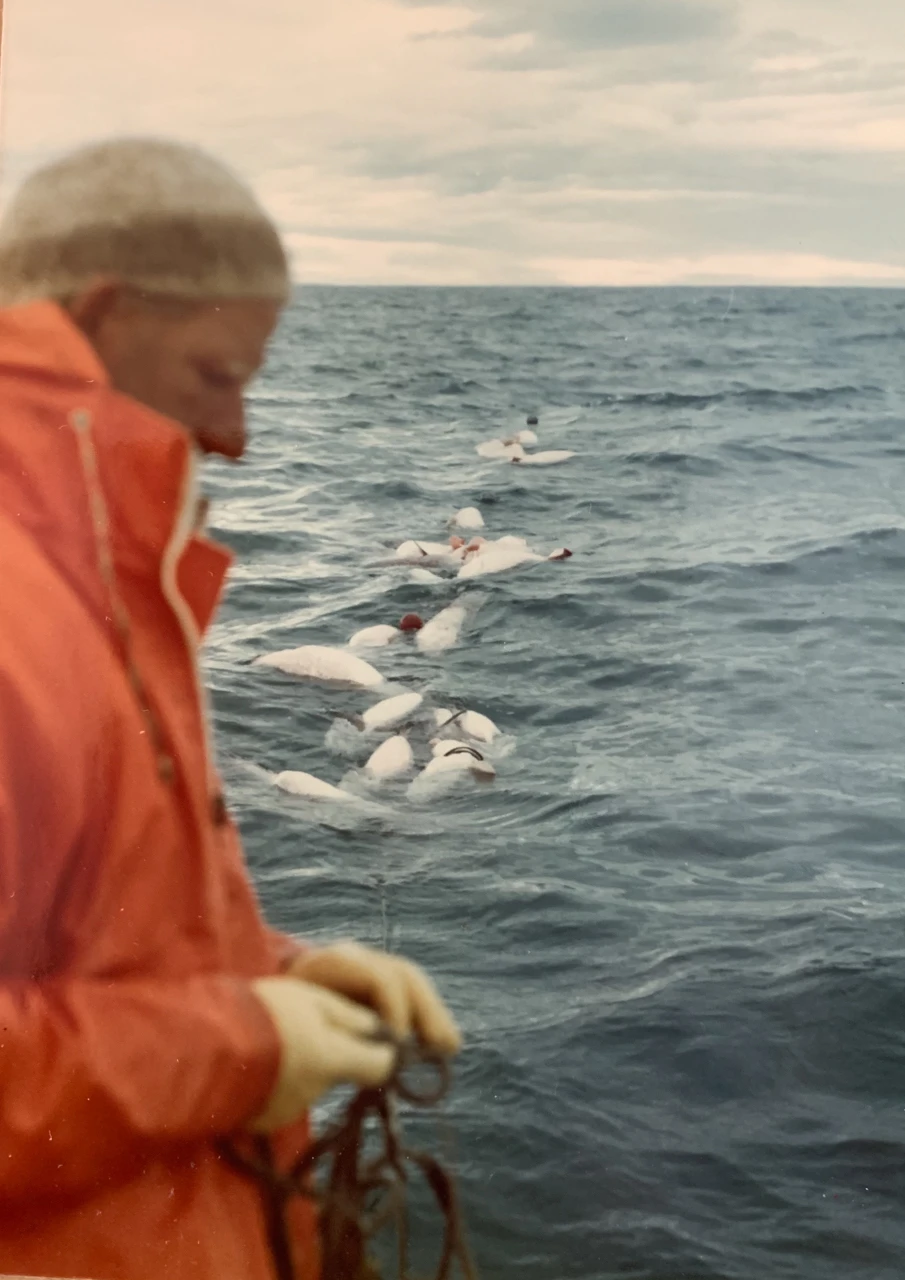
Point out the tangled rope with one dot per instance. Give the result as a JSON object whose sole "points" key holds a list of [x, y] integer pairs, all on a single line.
{"points": [[358, 1195]]}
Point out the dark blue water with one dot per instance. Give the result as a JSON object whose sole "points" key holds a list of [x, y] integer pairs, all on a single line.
{"points": [[673, 929]]}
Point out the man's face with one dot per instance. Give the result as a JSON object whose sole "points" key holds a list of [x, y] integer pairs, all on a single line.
{"points": [[190, 361]]}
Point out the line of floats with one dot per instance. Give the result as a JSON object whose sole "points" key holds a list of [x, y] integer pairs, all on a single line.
{"points": [[457, 745]]}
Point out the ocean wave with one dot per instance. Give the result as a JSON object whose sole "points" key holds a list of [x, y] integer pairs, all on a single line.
{"points": [[670, 927], [754, 397], [670, 460]]}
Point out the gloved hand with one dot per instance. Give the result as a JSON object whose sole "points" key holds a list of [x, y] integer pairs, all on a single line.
{"points": [[323, 1042], [400, 992]]}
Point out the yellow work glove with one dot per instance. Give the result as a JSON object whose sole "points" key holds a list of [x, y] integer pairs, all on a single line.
{"points": [[324, 1041], [400, 992]]}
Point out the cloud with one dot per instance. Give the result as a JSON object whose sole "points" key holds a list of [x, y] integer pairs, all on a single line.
{"points": [[532, 35], [689, 135], [722, 269], [600, 24]]}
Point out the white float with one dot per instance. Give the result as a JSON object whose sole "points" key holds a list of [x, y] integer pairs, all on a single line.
{"points": [[320, 662], [442, 631], [391, 759]]}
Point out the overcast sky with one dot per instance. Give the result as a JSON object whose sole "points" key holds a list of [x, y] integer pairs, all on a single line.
{"points": [[506, 141]]}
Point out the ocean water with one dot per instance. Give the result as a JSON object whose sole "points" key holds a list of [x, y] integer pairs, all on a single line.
{"points": [[674, 928]]}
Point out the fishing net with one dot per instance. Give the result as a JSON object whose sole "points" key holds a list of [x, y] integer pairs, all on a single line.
{"points": [[359, 1173]]}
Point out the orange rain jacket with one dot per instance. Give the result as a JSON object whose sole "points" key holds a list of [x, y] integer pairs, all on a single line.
{"points": [[129, 1038]]}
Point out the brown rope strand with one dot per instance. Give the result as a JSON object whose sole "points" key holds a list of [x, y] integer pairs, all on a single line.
{"points": [[349, 1218]]}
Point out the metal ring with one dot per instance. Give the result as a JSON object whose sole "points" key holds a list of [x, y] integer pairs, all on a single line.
{"points": [[410, 1056]]}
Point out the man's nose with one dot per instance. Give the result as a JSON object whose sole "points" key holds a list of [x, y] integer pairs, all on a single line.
{"points": [[226, 433]]}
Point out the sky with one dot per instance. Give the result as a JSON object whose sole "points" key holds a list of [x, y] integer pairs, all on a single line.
{"points": [[519, 142]]}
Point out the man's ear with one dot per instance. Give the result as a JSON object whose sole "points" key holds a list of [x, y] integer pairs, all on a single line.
{"points": [[91, 306]]}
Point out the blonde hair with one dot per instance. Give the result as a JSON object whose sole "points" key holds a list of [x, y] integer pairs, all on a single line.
{"points": [[161, 216]]}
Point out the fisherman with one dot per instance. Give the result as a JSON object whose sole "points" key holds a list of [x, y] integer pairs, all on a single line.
{"points": [[146, 1010]]}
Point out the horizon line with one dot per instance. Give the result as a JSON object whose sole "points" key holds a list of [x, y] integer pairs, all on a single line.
{"points": [[874, 285]]}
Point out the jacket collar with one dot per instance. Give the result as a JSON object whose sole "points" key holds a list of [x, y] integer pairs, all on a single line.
{"points": [[145, 461]]}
